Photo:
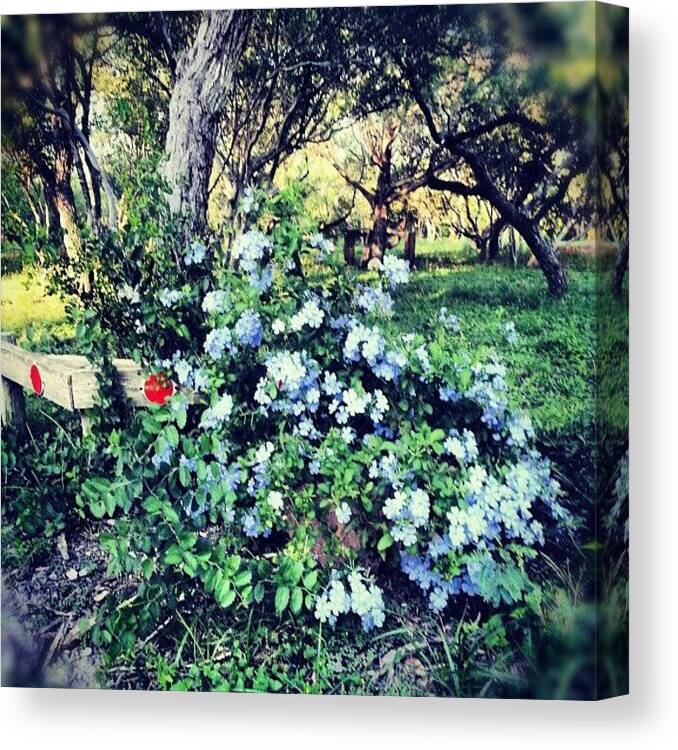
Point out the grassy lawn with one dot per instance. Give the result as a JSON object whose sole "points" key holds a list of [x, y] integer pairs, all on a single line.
{"points": [[25, 303]]}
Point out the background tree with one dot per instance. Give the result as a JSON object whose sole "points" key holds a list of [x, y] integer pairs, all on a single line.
{"points": [[500, 132], [48, 70], [204, 76]]}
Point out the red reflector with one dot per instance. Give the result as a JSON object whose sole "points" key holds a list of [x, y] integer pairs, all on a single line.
{"points": [[36, 380], [158, 388]]}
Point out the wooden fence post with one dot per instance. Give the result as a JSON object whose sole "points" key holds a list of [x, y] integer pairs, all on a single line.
{"points": [[12, 402]]}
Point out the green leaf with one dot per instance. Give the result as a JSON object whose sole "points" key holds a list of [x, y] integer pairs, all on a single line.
{"points": [[172, 435], [151, 505], [310, 579], [259, 592], [232, 564], [385, 542], [243, 578], [173, 555], [109, 502], [227, 599], [296, 600], [294, 573], [282, 598]]}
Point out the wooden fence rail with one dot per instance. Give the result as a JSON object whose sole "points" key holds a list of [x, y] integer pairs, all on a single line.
{"points": [[68, 380]]}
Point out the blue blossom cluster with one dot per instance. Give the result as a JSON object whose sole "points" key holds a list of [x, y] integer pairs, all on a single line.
{"points": [[216, 301], [367, 342], [396, 270], [218, 341], [486, 493], [511, 333], [519, 428], [187, 375], [162, 456], [169, 297], [373, 299], [462, 446], [420, 571], [357, 595], [489, 390], [495, 510], [324, 246], [252, 525], [215, 415], [310, 315], [290, 385], [249, 203], [388, 469], [248, 329], [252, 250], [408, 510], [128, 293], [449, 321], [261, 460], [195, 253]]}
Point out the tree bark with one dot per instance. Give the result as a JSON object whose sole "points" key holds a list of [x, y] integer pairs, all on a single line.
{"points": [[620, 269], [378, 239], [493, 242], [204, 78], [350, 238], [410, 238]]}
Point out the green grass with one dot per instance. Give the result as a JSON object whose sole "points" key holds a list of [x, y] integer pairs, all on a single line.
{"points": [[552, 366], [25, 303]]}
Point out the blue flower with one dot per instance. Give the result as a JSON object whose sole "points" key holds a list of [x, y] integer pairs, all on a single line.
{"points": [[195, 253], [373, 299], [169, 297], [248, 329], [218, 341], [396, 270], [215, 302]]}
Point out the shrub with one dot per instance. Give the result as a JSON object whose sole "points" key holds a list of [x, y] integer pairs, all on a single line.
{"points": [[307, 452]]}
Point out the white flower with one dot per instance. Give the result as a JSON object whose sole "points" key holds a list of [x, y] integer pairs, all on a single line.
{"points": [[343, 513], [420, 505], [220, 412], [275, 500], [278, 326], [129, 293], [310, 315], [355, 404], [347, 435], [394, 505]]}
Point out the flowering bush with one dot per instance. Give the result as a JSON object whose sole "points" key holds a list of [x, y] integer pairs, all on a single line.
{"points": [[308, 454]]}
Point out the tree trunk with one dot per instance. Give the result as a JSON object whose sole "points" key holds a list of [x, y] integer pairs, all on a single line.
{"points": [[526, 226], [620, 269], [64, 200], [205, 73], [350, 238], [378, 238], [493, 242], [512, 246], [546, 257], [410, 239]]}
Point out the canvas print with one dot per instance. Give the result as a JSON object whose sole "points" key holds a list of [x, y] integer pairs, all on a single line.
{"points": [[315, 350]]}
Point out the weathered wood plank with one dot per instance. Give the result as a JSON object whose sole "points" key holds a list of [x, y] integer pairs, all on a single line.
{"points": [[12, 403], [68, 379]]}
